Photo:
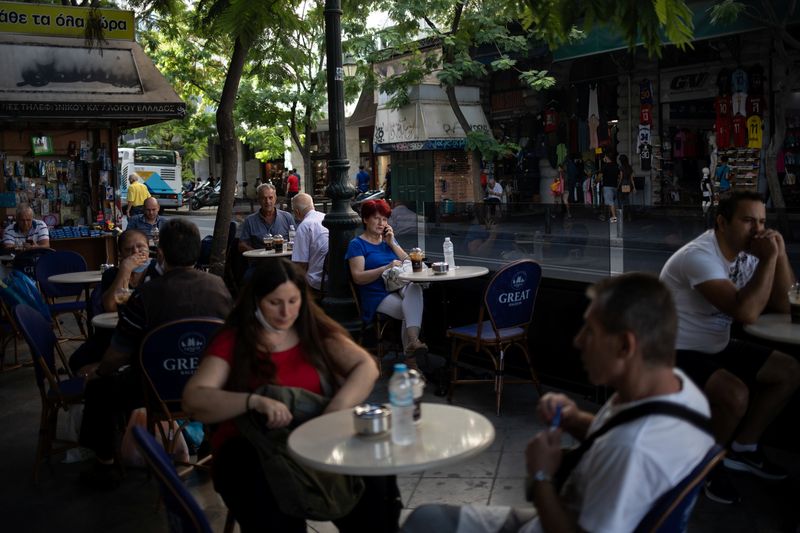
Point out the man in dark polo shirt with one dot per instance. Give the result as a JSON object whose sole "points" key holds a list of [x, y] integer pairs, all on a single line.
{"points": [[114, 386], [268, 219]]}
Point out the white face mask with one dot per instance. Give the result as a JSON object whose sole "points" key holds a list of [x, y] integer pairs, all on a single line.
{"points": [[263, 321]]}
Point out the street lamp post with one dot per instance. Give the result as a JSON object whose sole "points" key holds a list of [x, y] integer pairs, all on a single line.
{"points": [[341, 221]]}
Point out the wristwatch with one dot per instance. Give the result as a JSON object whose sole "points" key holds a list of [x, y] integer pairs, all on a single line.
{"points": [[539, 475]]}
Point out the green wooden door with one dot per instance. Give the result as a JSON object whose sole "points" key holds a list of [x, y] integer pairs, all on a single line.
{"points": [[412, 178]]}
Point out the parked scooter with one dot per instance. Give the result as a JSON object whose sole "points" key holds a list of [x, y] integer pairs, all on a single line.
{"points": [[205, 196], [377, 194]]}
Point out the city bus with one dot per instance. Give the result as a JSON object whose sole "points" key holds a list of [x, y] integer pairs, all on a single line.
{"points": [[160, 171]]}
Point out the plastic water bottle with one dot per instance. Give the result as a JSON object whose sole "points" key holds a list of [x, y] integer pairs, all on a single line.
{"points": [[155, 234], [401, 396], [449, 255], [292, 233]]}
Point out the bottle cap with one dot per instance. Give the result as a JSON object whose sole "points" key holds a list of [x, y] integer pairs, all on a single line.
{"points": [[400, 367]]}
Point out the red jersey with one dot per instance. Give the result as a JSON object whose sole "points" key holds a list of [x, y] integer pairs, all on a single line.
{"points": [[755, 106], [722, 105], [646, 114], [739, 131], [550, 120], [722, 128]]}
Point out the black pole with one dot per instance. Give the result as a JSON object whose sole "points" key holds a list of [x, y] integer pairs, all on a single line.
{"points": [[341, 221]]}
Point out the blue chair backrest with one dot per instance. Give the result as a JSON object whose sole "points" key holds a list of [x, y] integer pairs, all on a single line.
{"points": [[59, 263], [671, 512], [20, 289], [26, 261], [184, 515], [171, 352], [95, 306], [39, 335], [511, 294]]}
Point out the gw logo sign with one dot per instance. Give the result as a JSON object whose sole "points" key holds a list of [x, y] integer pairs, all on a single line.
{"points": [[191, 343]]}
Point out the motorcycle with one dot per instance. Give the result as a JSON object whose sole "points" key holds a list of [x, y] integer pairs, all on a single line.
{"points": [[376, 194], [205, 196]]}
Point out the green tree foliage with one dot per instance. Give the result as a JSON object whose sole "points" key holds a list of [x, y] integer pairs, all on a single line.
{"points": [[513, 30]]}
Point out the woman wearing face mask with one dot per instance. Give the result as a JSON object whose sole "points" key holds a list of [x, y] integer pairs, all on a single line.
{"points": [[276, 334], [134, 269], [369, 255]]}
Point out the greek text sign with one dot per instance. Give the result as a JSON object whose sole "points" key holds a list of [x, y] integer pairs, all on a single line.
{"points": [[63, 21]]}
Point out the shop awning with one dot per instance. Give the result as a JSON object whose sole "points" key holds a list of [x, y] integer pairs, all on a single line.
{"points": [[56, 78], [425, 126], [605, 38]]}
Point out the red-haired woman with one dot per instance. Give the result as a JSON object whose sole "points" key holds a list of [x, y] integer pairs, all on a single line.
{"points": [[369, 255]]}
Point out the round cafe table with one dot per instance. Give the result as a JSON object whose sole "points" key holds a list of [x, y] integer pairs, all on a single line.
{"points": [[106, 320], [79, 278], [264, 254], [446, 434], [428, 275], [775, 327]]}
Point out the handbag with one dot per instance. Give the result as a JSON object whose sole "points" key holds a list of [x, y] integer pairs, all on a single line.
{"points": [[300, 491], [625, 189], [391, 277]]}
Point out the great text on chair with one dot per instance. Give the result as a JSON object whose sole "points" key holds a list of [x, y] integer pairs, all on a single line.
{"points": [[169, 356], [508, 303]]}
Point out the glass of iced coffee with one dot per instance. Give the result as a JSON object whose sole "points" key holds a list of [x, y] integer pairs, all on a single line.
{"points": [[277, 243], [417, 256], [268, 240]]}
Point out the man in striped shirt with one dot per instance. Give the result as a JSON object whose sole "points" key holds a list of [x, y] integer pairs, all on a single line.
{"points": [[26, 233]]}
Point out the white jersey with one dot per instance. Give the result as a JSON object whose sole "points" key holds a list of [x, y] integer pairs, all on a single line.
{"points": [[701, 326]]}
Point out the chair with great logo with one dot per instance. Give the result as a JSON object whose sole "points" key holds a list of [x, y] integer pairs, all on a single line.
{"points": [[62, 262], [671, 512], [169, 356], [503, 323], [56, 393]]}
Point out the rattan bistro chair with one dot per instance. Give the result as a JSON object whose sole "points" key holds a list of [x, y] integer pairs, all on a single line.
{"points": [[56, 393], [169, 356], [503, 323]]}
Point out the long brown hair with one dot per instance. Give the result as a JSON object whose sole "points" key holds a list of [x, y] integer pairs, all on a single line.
{"points": [[313, 326]]}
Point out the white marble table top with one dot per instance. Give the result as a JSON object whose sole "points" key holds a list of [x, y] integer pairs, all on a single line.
{"points": [[263, 254], [776, 327], [446, 434], [106, 320], [88, 276], [462, 272]]}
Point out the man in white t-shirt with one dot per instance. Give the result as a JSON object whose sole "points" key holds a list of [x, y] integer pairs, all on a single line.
{"points": [[311, 239], [626, 343], [734, 272], [494, 195]]}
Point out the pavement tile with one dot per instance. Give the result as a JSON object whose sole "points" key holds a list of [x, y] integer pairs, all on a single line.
{"points": [[512, 465], [509, 491], [453, 491], [480, 466]]}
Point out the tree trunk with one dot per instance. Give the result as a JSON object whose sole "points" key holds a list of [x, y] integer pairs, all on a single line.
{"points": [[228, 144], [305, 151]]}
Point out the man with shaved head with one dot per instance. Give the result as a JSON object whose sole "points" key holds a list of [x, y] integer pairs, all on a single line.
{"points": [[311, 240]]}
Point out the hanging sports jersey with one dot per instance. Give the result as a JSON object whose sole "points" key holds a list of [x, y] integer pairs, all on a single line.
{"points": [[645, 156], [754, 132], [644, 134], [739, 81], [550, 120], [755, 106], [690, 146], [645, 92], [739, 131], [679, 145], [724, 81], [756, 75], [722, 128], [722, 105], [646, 114], [739, 104]]}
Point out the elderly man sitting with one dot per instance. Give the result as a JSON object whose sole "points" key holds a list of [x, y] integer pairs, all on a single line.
{"points": [[26, 233], [311, 240], [149, 219]]}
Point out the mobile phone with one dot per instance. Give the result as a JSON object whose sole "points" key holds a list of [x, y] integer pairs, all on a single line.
{"points": [[556, 421]]}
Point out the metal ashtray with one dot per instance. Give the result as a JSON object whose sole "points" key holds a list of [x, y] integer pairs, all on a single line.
{"points": [[440, 267], [372, 419]]}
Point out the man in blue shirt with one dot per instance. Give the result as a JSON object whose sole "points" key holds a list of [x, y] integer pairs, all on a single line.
{"points": [[149, 219], [268, 219], [362, 179]]}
